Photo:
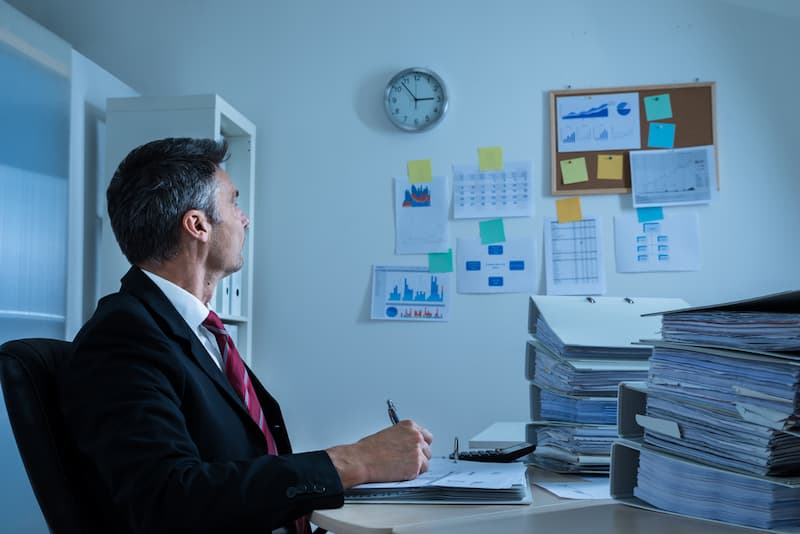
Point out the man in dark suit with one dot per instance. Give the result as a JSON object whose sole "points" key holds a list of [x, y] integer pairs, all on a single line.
{"points": [[169, 440]]}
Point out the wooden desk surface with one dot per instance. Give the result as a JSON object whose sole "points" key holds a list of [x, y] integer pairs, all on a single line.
{"points": [[547, 514], [386, 518], [602, 517]]}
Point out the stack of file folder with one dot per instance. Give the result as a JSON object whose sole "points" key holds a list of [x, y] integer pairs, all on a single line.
{"points": [[721, 432], [452, 482], [581, 349]]}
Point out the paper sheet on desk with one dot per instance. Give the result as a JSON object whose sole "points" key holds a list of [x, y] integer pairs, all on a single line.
{"points": [[447, 473], [588, 488]]}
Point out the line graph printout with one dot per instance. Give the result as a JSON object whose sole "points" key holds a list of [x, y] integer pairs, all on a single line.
{"points": [[590, 123], [574, 257], [672, 177], [410, 294], [489, 194]]}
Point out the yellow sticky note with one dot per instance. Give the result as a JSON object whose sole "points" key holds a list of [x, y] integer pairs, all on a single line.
{"points": [[419, 170], [574, 170], [490, 158], [609, 167], [569, 210]]}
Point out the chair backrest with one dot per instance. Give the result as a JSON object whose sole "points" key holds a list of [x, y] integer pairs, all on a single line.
{"points": [[28, 374]]}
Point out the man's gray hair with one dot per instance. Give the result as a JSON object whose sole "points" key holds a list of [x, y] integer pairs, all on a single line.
{"points": [[154, 186]]}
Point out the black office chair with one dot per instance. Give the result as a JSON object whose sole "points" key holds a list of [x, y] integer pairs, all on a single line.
{"points": [[27, 372]]}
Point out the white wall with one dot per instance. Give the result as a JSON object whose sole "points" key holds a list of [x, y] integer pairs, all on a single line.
{"points": [[310, 75]]}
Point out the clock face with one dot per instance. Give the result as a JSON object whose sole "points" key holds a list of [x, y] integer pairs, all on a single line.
{"points": [[415, 99]]}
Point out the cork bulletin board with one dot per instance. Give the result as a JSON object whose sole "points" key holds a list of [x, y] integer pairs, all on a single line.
{"points": [[593, 131]]}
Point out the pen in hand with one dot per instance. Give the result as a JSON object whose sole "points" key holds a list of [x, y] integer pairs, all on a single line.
{"points": [[392, 412]]}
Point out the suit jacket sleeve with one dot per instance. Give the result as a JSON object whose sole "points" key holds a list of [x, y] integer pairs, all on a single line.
{"points": [[171, 452]]}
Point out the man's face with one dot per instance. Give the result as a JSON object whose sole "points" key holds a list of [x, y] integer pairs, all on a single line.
{"points": [[227, 237]]}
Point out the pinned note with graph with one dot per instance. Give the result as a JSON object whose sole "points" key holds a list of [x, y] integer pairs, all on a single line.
{"points": [[406, 293]]}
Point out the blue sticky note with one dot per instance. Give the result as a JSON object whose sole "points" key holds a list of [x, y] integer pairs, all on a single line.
{"points": [[661, 135], [492, 231], [658, 107], [440, 262], [650, 214]]}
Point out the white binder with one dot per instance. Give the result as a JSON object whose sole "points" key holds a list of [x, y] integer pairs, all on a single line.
{"points": [[236, 293], [225, 296], [600, 321]]}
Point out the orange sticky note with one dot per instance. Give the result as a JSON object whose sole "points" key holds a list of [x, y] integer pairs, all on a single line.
{"points": [[569, 210], [574, 171], [490, 158], [419, 170], [609, 167]]}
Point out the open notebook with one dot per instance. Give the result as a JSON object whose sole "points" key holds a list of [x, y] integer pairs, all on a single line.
{"points": [[450, 482]]}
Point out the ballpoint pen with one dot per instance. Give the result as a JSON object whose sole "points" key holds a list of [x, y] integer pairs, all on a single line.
{"points": [[392, 412]]}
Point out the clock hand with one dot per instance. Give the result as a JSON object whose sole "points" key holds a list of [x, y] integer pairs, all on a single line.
{"points": [[429, 98], [409, 92]]}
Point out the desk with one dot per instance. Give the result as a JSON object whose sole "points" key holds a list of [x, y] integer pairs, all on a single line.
{"points": [[548, 514]]}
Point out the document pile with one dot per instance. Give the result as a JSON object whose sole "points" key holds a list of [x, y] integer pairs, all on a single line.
{"points": [[581, 349], [449, 482], [722, 413]]}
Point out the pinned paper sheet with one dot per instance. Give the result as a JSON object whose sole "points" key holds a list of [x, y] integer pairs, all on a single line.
{"points": [[440, 262], [419, 171], [569, 210], [650, 214], [658, 107], [490, 158], [574, 170], [609, 167], [492, 231], [661, 135]]}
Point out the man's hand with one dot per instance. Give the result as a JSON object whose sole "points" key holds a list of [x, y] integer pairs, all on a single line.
{"points": [[399, 452]]}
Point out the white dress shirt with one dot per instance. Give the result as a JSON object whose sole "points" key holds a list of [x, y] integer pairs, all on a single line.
{"points": [[193, 312]]}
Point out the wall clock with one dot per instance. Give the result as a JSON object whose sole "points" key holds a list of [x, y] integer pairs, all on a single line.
{"points": [[415, 99]]}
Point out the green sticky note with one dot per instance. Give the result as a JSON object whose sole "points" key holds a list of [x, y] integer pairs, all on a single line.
{"points": [[490, 158], [419, 170], [658, 107], [574, 171], [492, 231], [441, 262]]}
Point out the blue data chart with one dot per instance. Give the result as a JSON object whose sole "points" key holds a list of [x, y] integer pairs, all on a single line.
{"points": [[410, 293]]}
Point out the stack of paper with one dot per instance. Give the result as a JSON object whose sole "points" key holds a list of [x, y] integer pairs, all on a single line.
{"points": [[572, 376], [582, 348], [698, 490], [768, 323], [550, 406], [730, 408], [448, 481], [569, 448], [721, 430]]}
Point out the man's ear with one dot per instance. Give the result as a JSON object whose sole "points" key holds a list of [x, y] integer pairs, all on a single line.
{"points": [[196, 225]]}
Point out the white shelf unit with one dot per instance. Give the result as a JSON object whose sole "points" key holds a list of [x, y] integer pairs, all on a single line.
{"points": [[132, 122]]}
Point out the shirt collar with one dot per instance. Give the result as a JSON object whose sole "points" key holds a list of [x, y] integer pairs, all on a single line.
{"points": [[188, 306]]}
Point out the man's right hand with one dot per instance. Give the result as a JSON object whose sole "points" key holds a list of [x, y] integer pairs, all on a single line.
{"points": [[399, 452]]}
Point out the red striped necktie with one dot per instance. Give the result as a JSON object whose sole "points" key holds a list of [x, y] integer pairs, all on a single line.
{"points": [[237, 375], [236, 372]]}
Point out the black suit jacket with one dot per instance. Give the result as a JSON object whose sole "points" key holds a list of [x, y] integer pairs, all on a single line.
{"points": [[167, 443]]}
